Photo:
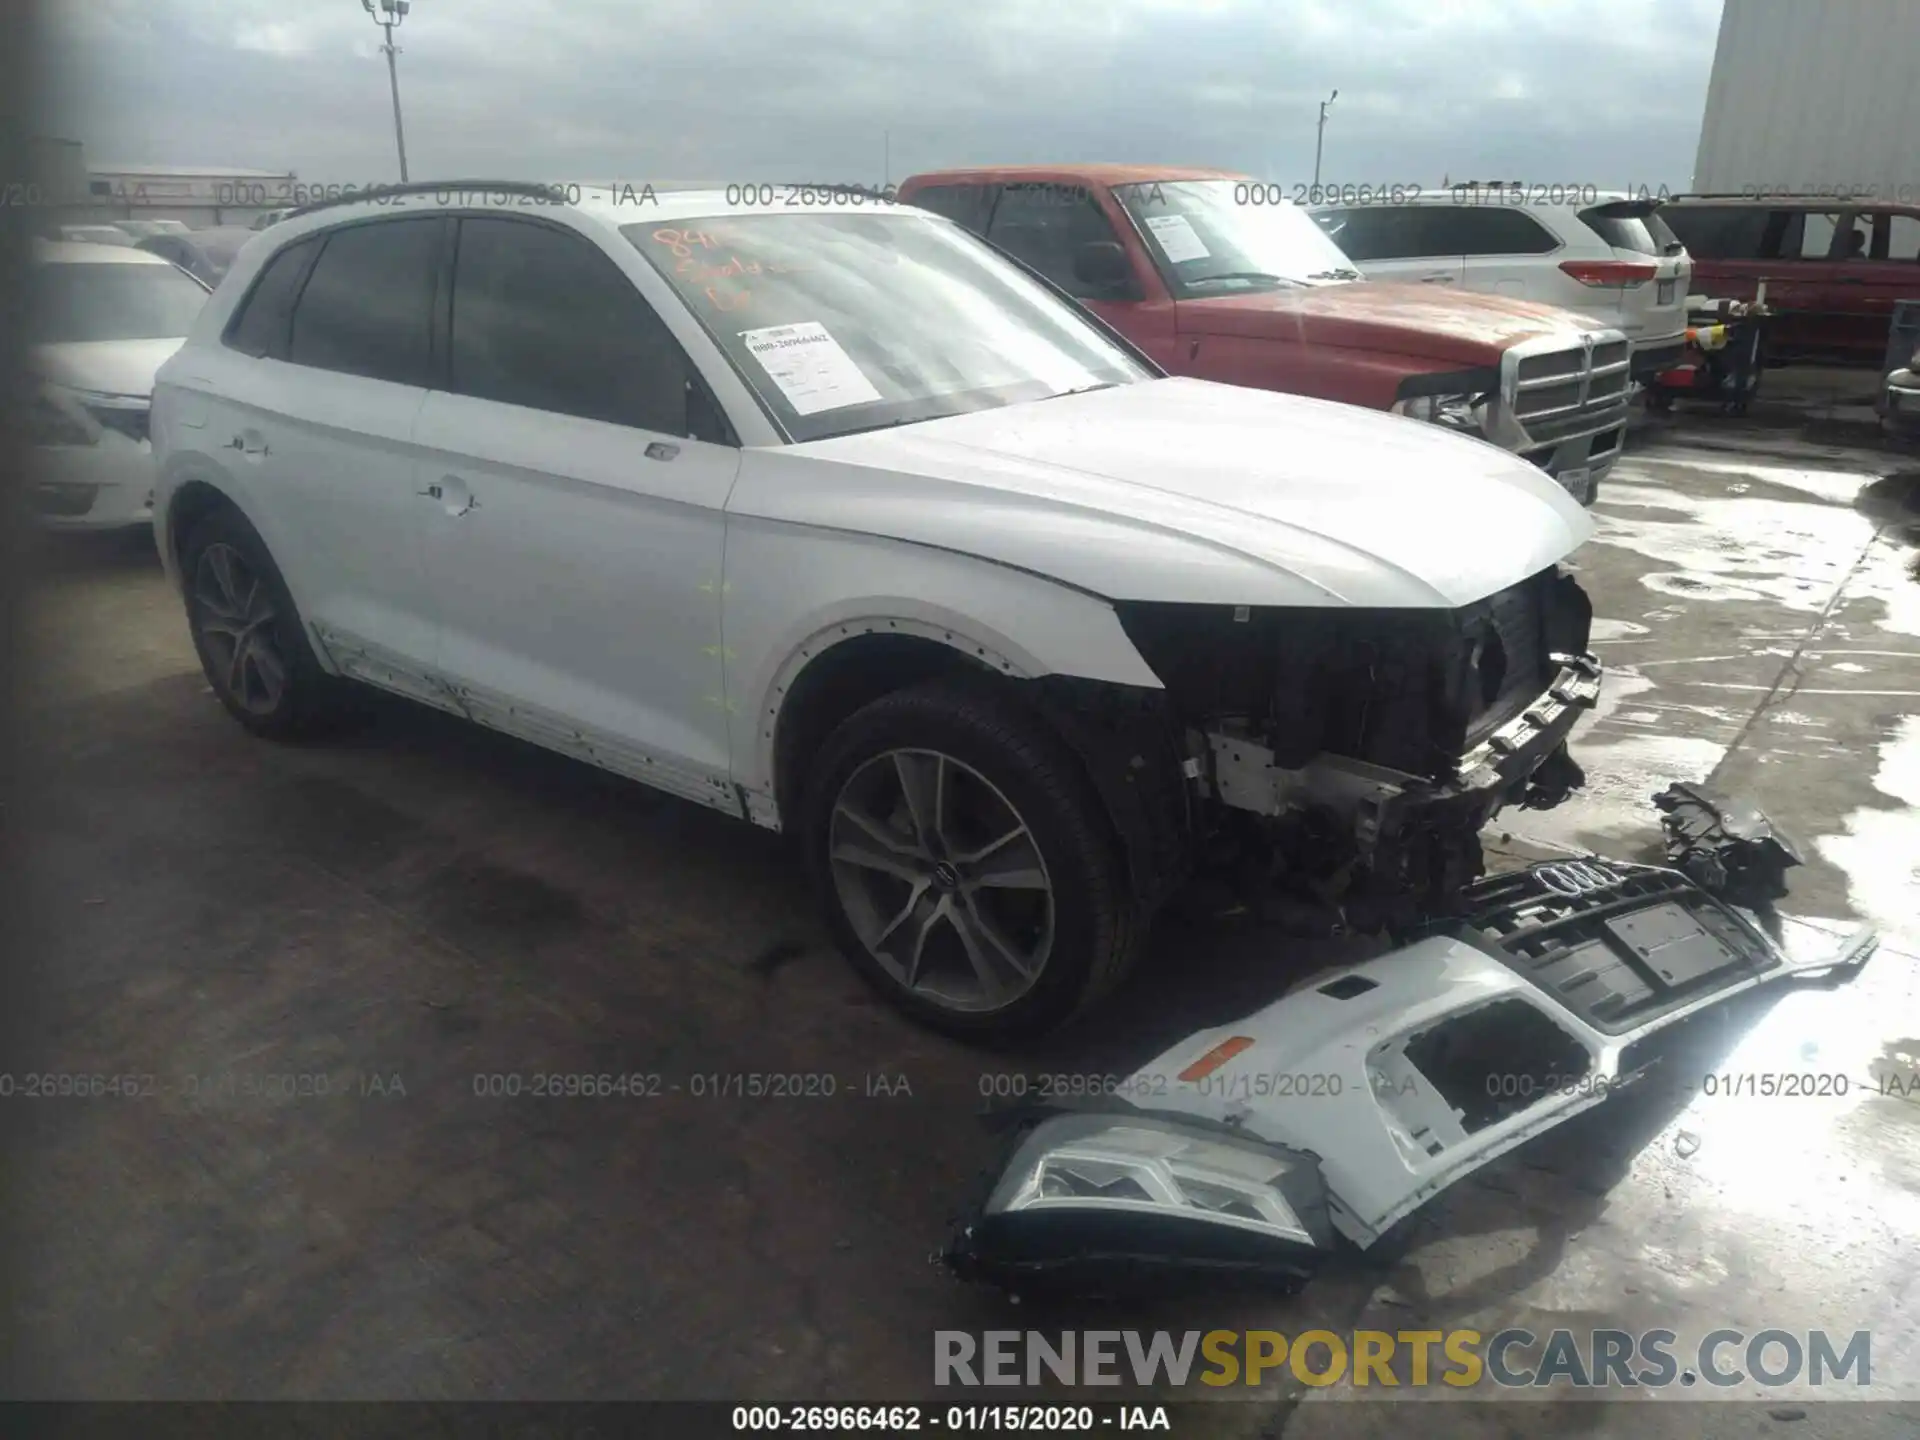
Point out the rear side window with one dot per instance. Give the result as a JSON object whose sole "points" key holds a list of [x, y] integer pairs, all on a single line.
{"points": [[367, 308], [1483, 230], [1373, 232], [1644, 234], [967, 205], [1719, 232], [259, 327], [543, 319]]}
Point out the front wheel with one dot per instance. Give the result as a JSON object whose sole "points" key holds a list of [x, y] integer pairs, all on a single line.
{"points": [[966, 867]]}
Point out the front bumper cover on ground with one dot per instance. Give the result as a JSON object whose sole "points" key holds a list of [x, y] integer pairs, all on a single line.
{"points": [[1370, 1085]]}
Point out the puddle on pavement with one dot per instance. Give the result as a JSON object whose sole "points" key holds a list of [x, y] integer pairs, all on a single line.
{"points": [[1880, 850], [1742, 549]]}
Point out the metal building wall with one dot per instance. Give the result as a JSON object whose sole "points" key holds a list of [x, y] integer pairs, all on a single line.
{"points": [[1814, 95]]}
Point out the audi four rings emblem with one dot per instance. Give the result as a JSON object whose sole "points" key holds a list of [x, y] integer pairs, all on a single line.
{"points": [[1578, 877]]}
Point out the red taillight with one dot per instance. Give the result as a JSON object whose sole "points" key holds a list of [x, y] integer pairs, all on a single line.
{"points": [[1609, 272]]}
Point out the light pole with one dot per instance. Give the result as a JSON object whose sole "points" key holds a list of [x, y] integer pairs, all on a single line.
{"points": [[388, 17], [1319, 137]]}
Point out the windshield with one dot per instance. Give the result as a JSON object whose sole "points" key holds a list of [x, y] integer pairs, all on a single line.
{"points": [[1205, 241], [113, 302], [845, 322]]}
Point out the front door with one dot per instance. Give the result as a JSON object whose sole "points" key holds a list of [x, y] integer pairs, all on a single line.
{"points": [[575, 528]]}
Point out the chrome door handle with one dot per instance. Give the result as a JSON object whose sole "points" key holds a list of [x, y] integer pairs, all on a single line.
{"points": [[1436, 279]]}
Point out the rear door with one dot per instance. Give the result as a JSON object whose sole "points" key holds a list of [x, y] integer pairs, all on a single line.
{"points": [[572, 479], [333, 350], [1394, 242], [1505, 248]]}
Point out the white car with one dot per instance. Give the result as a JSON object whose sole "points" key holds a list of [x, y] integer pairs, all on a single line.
{"points": [[146, 229], [95, 235], [1606, 256], [105, 319], [833, 519]]}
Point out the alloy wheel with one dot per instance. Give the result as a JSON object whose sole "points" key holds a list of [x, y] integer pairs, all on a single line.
{"points": [[236, 617], [942, 880]]}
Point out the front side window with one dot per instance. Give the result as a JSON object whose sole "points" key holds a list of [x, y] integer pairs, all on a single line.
{"points": [[842, 322], [544, 320], [1045, 225], [368, 304], [81, 302], [967, 205], [1205, 245], [1820, 236]]}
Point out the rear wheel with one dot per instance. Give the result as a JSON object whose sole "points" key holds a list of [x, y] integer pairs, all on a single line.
{"points": [[966, 868], [252, 645]]}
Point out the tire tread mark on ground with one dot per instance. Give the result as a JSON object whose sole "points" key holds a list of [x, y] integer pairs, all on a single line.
{"points": [[1774, 697]]}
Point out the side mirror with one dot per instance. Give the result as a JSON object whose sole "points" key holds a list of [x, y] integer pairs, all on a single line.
{"points": [[1103, 265]]}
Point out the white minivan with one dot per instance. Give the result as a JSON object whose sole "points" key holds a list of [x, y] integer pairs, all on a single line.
{"points": [[1602, 254]]}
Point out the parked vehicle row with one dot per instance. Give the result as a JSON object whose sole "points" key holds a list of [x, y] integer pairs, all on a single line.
{"points": [[1262, 296], [1612, 261], [839, 521], [1833, 269]]}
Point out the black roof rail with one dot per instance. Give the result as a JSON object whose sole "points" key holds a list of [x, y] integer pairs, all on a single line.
{"points": [[1759, 196], [426, 187]]}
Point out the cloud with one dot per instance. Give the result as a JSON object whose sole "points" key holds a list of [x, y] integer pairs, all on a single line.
{"points": [[1607, 92]]}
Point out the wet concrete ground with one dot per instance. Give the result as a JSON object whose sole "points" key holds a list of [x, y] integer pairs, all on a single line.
{"points": [[399, 917]]}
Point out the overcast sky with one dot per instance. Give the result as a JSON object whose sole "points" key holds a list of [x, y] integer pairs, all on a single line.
{"points": [[1605, 92]]}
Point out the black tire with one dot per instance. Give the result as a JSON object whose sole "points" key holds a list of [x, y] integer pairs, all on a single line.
{"points": [[1095, 921], [310, 701]]}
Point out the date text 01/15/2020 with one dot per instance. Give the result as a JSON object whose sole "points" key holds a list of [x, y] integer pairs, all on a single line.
{"points": [[908, 1419], [1258, 192]]}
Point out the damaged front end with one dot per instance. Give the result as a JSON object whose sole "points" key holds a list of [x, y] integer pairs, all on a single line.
{"points": [[1372, 1087], [1353, 757]]}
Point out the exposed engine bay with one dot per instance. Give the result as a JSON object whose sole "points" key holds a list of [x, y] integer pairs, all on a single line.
{"points": [[1352, 757]]}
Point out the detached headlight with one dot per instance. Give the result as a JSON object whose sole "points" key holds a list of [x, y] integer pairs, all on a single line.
{"points": [[1456, 412], [1101, 1198]]}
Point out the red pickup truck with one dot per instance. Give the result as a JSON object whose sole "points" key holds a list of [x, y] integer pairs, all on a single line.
{"points": [[1201, 273]]}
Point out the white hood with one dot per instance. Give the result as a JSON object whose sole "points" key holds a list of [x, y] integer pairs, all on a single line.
{"points": [[1190, 491], [110, 367]]}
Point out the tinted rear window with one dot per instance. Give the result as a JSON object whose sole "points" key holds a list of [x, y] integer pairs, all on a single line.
{"points": [[1644, 235], [259, 327], [1719, 232]]}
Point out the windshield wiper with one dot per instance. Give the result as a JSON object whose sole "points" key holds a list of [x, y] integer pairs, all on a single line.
{"points": [[1340, 274], [1085, 389], [1243, 275]]}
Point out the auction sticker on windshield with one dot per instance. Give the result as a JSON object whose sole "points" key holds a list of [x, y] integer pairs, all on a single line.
{"points": [[808, 365], [1177, 237]]}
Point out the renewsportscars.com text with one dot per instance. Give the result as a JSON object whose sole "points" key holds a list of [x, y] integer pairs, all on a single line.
{"points": [[1719, 1359]]}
